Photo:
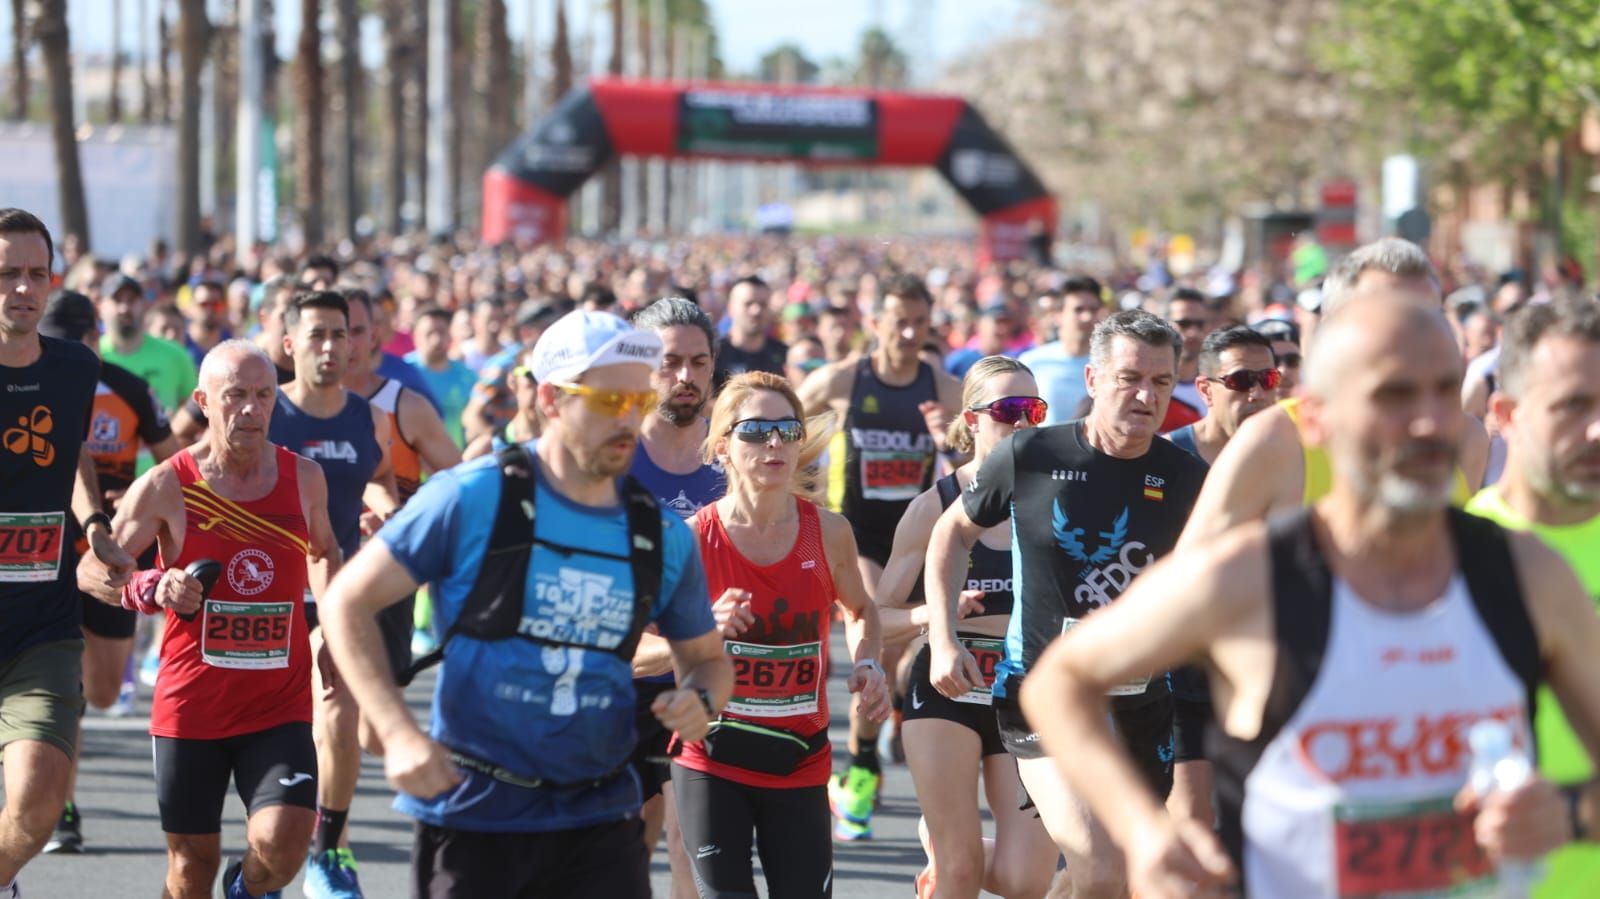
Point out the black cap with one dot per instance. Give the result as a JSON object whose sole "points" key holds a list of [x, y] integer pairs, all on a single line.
{"points": [[117, 282], [69, 316]]}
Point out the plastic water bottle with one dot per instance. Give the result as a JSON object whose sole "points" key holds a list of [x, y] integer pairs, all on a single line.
{"points": [[1498, 764]]}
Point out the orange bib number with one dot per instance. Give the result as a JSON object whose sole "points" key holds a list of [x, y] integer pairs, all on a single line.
{"points": [[246, 634], [987, 651], [774, 681], [30, 546], [1406, 849]]}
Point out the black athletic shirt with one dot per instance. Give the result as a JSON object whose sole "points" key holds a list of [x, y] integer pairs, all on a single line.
{"points": [[887, 453], [733, 361], [44, 418], [1083, 524], [988, 569]]}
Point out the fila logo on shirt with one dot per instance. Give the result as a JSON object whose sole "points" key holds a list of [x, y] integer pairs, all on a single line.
{"points": [[330, 450]]}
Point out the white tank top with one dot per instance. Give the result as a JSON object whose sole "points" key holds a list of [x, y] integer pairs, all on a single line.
{"points": [[1352, 797]]}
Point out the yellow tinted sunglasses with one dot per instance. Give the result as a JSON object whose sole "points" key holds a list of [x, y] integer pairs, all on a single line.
{"points": [[613, 403]]}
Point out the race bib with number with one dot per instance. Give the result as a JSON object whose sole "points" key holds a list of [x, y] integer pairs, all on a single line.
{"points": [[30, 546], [774, 681], [1405, 849], [987, 651], [892, 476], [1134, 687], [246, 634]]}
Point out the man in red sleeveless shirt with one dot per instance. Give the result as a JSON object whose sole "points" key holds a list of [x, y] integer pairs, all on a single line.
{"points": [[234, 698]]}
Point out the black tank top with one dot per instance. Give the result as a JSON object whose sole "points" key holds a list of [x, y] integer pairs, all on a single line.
{"points": [[888, 452], [988, 569]]}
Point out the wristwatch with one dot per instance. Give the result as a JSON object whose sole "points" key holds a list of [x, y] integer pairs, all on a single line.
{"points": [[705, 700], [93, 519], [870, 664]]}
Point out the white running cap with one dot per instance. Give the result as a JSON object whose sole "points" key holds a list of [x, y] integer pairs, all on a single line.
{"points": [[581, 340]]}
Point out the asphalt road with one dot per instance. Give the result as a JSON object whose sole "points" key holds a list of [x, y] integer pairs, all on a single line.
{"points": [[126, 850]]}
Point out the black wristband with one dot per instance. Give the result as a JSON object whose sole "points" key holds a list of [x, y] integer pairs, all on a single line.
{"points": [[1574, 796], [96, 518], [705, 700]]}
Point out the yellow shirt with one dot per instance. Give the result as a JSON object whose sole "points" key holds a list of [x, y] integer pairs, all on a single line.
{"points": [[1319, 471]]}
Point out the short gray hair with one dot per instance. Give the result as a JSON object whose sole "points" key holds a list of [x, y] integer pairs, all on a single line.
{"points": [[1578, 319], [1394, 255], [1134, 324], [675, 312], [234, 351]]}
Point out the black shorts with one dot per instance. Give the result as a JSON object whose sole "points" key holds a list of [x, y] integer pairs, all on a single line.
{"points": [[649, 759], [1191, 700], [1145, 730], [722, 822], [601, 860], [395, 623], [277, 766], [923, 701], [107, 621], [874, 543]]}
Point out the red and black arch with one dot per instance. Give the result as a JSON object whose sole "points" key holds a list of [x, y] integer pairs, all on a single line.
{"points": [[525, 192]]}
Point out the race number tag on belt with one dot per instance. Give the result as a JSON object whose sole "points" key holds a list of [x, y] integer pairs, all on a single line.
{"points": [[30, 546], [246, 634], [774, 681], [887, 475], [1406, 849], [987, 651], [1134, 687]]}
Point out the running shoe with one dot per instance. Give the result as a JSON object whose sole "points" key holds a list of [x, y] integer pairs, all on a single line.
{"points": [[849, 832], [127, 700], [68, 837], [332, 875], [231, 886], [150, 667], [851, 795], [422, 642], [925, 882]]}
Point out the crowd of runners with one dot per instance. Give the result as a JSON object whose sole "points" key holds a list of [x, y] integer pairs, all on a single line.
{"points": [[1198, 586]]}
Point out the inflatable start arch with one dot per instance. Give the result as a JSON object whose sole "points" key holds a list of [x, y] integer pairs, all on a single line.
{"points": [[525, 192]]}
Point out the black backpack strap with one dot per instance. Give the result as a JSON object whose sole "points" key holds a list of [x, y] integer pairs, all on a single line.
{"points": [[645, 557], [1483, 552], [949, 489], [493, 609]]}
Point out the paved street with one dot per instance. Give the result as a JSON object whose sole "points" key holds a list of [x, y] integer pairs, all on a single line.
{"points": [[127, 852]]}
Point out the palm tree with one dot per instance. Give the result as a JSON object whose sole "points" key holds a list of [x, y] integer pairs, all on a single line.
{"points": [[115, 110], [561, 57], [310, 109], [146, 99], [163, 59], [492, 78], [19, 60], [398, 50], [349, 95], [611, 198], [194, 39], [50, 30]]}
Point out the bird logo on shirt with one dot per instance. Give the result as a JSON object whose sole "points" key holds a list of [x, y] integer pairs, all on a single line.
{"points": [[1071, 539]]}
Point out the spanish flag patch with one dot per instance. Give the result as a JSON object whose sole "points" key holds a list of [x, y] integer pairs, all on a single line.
{"points": [[1155, 493]]}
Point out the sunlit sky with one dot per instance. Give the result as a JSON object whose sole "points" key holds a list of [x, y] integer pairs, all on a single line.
{"points": [[936, 31]]}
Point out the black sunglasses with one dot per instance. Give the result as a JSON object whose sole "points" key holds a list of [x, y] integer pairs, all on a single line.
{"points": [[760, 430], [1242, 380]]}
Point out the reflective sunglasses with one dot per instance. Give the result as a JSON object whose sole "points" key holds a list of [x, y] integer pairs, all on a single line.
{"points": [[1008, 410], [612, 403], [1242, 380], [760, 430]]}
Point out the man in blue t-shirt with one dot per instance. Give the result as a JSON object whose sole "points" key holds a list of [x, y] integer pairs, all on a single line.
{"points": [[1058, 365], [542, 732], [450, 381], [670, 464]]}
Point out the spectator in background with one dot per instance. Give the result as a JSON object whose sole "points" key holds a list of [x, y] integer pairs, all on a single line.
{"points": [[450, 380], [319, 272], [1058, 366], [494, 399], [165, 322], [797, 322], [748, 346], [1479, 331], [1186, 310], [488, 317], [1046, 309], [598, 298], [806, 355], [166, 366], [992, 338], [208, 320], [836, 330]]}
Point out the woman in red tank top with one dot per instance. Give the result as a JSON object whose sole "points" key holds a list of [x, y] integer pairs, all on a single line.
{"points": [[778, 564]]}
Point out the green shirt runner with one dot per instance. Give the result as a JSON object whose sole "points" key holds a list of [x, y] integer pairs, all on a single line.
{"points": [[1574, 870], [166, 366]]}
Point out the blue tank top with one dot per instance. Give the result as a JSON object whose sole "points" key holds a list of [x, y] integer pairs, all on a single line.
{"points": [[684, 494], [347, 450]]}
